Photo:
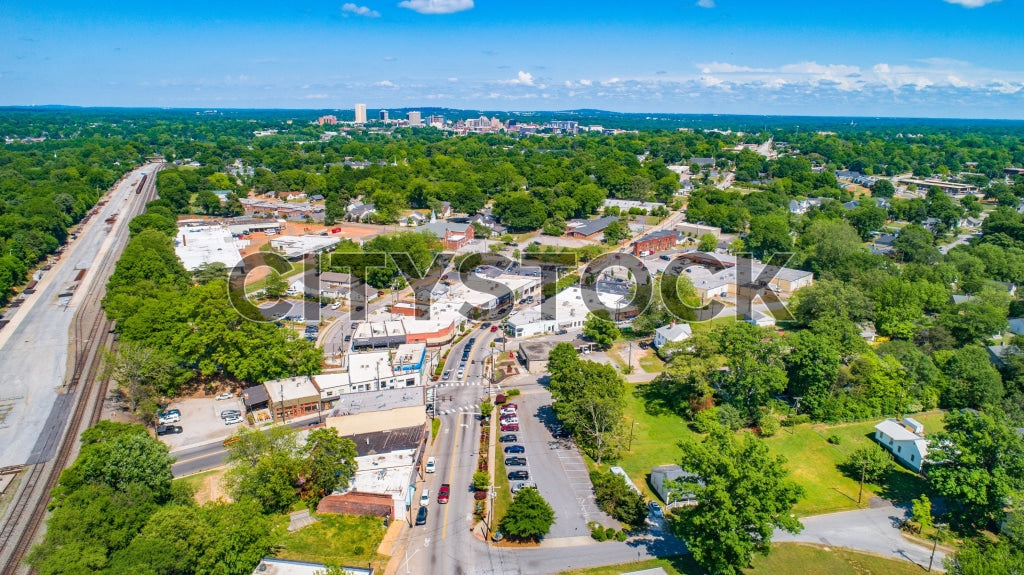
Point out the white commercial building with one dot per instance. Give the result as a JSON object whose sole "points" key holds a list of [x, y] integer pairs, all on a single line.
{"points": [[570, 313], [295, 246], [205, 244], [376, 370]]}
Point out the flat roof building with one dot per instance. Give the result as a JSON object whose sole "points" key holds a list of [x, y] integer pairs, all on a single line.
{"points": [[198, 245]]}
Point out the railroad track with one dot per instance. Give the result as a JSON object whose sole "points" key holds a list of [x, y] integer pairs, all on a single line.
{"points": [[91, 333]]}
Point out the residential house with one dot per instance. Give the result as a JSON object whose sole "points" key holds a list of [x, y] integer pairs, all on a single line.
{"points": [[444, 210], [1017, 325], [671, 333], [759, 319], [357, 211], [661, 478], [412, 219], [335, 284], [702, 162], [803, 206], [997, 354], [485, 219], [454, 235], [905, 440]]}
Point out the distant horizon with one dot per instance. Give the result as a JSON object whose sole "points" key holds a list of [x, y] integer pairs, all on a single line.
{"points": [[653, 115], [960, 59]]}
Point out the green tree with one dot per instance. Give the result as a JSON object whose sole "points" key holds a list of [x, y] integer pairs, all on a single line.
{"points": [[971, 380], [330, 464], [769, 234], [977, 464], [742, 495], [883, 188], [708, 243], [600, 330], [615, 232], [874, 461], [916, 245], [275, 286], [617, 499], [921, 512], [265, 467], [529, 516]]}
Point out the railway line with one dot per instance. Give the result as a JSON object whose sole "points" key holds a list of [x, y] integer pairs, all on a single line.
{"points": [[91, 332]]}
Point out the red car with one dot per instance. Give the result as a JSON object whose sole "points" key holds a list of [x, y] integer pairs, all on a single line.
{"points": [[510, 427], [442, 495], [494, 328]]}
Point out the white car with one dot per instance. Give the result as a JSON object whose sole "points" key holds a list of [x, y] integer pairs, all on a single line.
{"points": [[336, 305], [170, 418], [227, 395], [425, 498], [508, 411], [233, 420], [431, 465], [513, 420]]}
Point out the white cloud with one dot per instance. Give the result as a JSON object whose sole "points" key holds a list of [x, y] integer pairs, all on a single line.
{"points": [[525, 78], [706, 3], [359, 10], [389, 58], [585, 82], [972, 3], [453, 79], [385, 84], [436, 6], [315, 96]]}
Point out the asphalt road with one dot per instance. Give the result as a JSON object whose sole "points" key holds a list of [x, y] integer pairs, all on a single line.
{"points": [[198, 458], [34, 347]]}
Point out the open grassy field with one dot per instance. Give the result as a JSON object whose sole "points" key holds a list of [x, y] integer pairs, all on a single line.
{"points": [[335, 540], [813, 462], [785, 559]]}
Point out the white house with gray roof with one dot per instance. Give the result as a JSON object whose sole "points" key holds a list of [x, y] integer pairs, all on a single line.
{"points": [[671, 333], [905, 440]]}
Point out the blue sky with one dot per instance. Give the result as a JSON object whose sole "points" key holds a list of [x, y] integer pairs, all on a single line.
{"points": [[936, 58]]}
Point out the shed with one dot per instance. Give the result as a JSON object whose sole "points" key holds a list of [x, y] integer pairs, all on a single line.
{"points": [[672, 498]]}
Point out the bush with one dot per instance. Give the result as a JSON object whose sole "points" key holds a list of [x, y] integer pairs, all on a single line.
{"points": [[730, 417], [768, 425], [834, 439], [706, 420], [617, 499], [609, 533], [621, 536], [597, 531], [481, 481], [796, 420], [512, 392]]}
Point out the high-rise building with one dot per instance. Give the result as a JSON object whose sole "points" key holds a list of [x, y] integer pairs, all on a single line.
{"points": [[414, 119], [437, 121], [383, 115], [329, 120], [360, 113]]}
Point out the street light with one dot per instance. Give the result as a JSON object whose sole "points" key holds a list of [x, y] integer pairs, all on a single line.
{"points": [[935, 543]]}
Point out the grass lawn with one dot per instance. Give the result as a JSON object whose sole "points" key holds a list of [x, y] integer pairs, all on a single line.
{"points": [[813, 462], [335, 540], [435, 426], [651, 363], [294, 271], [504, 497], [196, 480], [655, 436], [785, 558]]}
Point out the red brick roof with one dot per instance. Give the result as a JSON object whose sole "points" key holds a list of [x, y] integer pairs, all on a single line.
{"points": [[357, 503]]}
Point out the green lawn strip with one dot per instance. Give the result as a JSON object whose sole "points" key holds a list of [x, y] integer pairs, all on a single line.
{"points": [[295, 270], [651, 363], [501, 483], [334, 540], [813, 463], [435, 426], [787, 558], [195, 481]]}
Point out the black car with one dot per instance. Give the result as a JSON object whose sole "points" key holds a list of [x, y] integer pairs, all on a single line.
{"points": [[167, 429], [519, 475], [560, 433], [515, 461], [515, 449], [421, 516], [510, 438]]}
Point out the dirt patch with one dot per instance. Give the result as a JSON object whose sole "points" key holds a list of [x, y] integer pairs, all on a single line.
{"points": [[209, 488]]}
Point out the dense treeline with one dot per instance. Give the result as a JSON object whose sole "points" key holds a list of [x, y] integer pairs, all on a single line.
{"points": [[188, 328], [116, 511], [45, 188]]}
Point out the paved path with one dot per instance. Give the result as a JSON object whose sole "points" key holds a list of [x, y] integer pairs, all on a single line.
{"points": [[873, 530]]}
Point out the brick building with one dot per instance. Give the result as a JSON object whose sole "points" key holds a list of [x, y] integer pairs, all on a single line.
{"points": [[655, 242]]}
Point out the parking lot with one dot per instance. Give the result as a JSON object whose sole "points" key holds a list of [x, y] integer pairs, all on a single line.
{"points": [[556, 466], [200, 421]]}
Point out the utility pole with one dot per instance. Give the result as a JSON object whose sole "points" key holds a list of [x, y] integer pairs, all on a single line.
{"points": [[863, 470], [632, 426], [935, 543]]}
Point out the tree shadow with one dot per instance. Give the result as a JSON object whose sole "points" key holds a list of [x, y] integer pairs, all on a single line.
{"points": [[658, 399]]}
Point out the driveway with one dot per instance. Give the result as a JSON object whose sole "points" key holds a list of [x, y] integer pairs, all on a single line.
{"points": [[874, 530], [200, 421]]}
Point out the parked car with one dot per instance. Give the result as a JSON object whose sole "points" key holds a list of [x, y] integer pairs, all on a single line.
{"points": [[509, 427], [560, 433], [442, 495], [336, 305], [425, 497], [421, 516], [447, 374], [348, 338], [516, 487], [233, 420], [431, 465], [460, 373], [515, 449], [510, 406], [508, 411], [508, 438], [515, 461], [509, 420], [354, 325], [227, 395], [167, 429], [518, 475], [169, 418], [230, 413], [655, 509]]}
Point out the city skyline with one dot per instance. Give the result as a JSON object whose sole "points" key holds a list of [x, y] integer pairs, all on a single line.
{"points": [[928, 58]]}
